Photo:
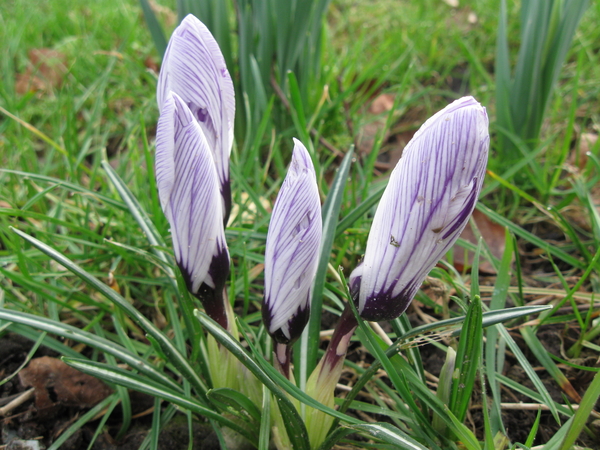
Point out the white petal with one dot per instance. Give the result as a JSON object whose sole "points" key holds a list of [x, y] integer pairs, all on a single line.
{"points": [[165, 145], [293, 242], [194, 68], [189, 191], [429, 198]]}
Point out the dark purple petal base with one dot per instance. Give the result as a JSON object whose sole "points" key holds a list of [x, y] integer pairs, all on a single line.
{"points": [[296, 324], [384, 306], [212, 299]]}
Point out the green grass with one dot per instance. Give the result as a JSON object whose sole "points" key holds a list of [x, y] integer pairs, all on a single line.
{"points": [[54, 188]]}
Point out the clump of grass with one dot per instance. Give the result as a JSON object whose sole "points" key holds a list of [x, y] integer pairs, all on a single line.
{"points": [[62, 196]]}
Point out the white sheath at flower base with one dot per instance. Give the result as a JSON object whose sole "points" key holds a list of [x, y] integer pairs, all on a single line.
{"points": [[426, 205], [194, 68], [189, 194], [292, 250]]}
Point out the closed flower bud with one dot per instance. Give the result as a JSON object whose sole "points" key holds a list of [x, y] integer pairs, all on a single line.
{"points": [[292, 250], [426, 205], [194, 68], [188, 188]]}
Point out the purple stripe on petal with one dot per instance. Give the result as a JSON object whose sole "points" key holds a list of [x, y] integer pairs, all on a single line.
{"points": [[429, 199], [194, 68], [292, 250], [189, 191]]}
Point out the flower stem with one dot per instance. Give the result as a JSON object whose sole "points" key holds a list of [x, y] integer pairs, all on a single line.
{"points": [[322, 381], [338, 345], [282, 357]]}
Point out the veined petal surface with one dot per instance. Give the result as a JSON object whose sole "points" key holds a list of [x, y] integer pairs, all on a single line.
{"points": [[194, 68], [427, 203], [189, 194], [292, 250]]}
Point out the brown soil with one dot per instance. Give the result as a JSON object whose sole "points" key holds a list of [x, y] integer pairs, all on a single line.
{"points": [[29, 422]]}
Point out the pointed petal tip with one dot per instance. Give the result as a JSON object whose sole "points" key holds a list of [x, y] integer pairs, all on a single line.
{"points": [[182, 111], [409, 235], [292, 248], [462, 103], [301, 159]]}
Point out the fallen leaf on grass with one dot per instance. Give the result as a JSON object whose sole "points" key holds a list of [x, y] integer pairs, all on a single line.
{"points": [[55, 382], [166, 14], [492, 234], [46, 70], [375, 120]]}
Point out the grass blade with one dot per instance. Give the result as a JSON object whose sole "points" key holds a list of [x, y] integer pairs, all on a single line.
{"points": [[583, 413], [381, 431], [467, 360], [141, 384], [91, 340], [309, 343], [158, 36], [167, 347]]}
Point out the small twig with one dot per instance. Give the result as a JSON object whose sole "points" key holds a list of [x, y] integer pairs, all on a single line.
{"points": [[382, 334], [431, 377], [22, 398], [143, 413], [343, 387], [364, 416], [534, 407]]}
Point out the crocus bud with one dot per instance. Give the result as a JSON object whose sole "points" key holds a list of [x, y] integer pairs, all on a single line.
{"points": [[292, 251], [427, 203], [188, 188], [194, 68]]}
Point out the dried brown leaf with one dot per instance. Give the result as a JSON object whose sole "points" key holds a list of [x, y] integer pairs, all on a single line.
{"points": [[492, 234], [55, 382], [46, 70]]}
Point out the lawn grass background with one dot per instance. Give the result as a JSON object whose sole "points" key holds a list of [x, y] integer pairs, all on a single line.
{"points": [[55, 133]]}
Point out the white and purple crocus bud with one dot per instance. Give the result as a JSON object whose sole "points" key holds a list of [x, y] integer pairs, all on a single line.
{"points": [[292, 250], [194, 68], [188, 187], [427, 203]]}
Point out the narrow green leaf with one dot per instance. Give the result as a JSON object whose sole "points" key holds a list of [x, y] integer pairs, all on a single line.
{"points": [[92, 340], [36, 345], [141, 384], [265, 423], [294, 425], [489, 318], [136, 210], [553, 250], [467, 360], [359, 211], [309, 343], [237, 402], [555, 441], [297, 109], [520, 388], [583, 413], [380, 431], [89, 415], [68, 186], [167, 346], [158, 36], [535, 379], [534, 429], [494, 359], [543, 356]]}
